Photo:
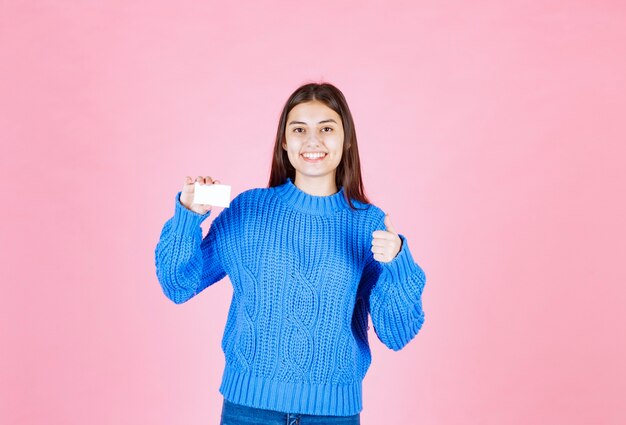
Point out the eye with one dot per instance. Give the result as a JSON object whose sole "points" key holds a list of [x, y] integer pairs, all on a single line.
{"points": [[329, 128], [295, 130]]}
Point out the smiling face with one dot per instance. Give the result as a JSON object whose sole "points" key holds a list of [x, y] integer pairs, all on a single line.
{"points": [[314, 141]]}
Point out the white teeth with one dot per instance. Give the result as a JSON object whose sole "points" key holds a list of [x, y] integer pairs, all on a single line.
{"points": [[313, 155]]}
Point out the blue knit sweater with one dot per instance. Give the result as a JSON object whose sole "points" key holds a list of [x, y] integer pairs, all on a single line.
{"points": [[304, 281]]}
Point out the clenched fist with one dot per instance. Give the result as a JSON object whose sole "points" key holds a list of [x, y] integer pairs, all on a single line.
{"points": [[186, 197], [386, 243]]}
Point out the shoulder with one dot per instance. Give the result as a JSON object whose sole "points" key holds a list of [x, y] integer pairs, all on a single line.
{"points": [[369, 215], [376, 212], [226, 220], [250, 196]]}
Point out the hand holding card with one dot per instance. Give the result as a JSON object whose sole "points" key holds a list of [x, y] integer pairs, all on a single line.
{"points": [[219, 196]]}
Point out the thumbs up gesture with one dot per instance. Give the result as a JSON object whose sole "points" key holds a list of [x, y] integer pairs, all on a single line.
{"points": [[386, 243]]}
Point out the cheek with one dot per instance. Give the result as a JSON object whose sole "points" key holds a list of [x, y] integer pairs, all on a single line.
{"points": [[289, 144], [337, 144], [293, 151]]}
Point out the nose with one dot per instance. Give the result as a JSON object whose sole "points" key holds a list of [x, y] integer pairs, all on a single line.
{"points": [[314, 139]]}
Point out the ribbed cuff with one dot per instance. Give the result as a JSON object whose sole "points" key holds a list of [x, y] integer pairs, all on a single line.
{"points": [[403, 265], [403, 271], [185, 220]]}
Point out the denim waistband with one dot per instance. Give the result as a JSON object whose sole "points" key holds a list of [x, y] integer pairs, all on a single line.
{"points": [[237, 414]]}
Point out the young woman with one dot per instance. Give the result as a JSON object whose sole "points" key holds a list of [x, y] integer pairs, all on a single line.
{"points": [[309, 257]]}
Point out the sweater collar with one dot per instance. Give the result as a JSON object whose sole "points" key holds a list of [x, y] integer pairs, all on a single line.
{"points": [[322, 205]]}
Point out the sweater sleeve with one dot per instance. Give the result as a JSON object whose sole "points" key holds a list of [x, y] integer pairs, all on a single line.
{"points": [[394, 294], [186, 263]]}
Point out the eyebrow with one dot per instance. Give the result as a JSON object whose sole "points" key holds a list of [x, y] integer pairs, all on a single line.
{"points": [[321, 122]]}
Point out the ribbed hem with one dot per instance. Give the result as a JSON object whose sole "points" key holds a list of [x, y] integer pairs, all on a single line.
{"points": [[323, 205], [288, 397], [185, 220]]}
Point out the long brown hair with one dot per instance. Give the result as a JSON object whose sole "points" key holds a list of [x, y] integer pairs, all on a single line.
{"points": [[348, 172]]}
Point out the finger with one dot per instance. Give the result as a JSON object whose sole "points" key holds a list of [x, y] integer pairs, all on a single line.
{"points": [[216, 182], [200, 179], [188, 186], [208, 180], [383, 234], [380, 242], [388, 224], [380, 257], [378, 250]]}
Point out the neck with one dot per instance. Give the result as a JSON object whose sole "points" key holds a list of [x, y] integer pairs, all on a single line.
{"points": [[317, 186]]}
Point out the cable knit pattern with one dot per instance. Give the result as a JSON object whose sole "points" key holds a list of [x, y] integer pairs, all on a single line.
{"points": [[304, 282]]}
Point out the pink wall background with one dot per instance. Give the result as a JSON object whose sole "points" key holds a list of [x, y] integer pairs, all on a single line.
{"points": [[492, 133]]}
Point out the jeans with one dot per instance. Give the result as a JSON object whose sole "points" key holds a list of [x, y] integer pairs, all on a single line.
{"points": [[236, 414]]}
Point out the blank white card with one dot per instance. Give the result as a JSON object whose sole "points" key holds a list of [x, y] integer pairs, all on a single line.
{"points": [[212, 194]]}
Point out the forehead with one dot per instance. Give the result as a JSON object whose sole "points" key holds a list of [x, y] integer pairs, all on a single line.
{"points": [[313, 111]]}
